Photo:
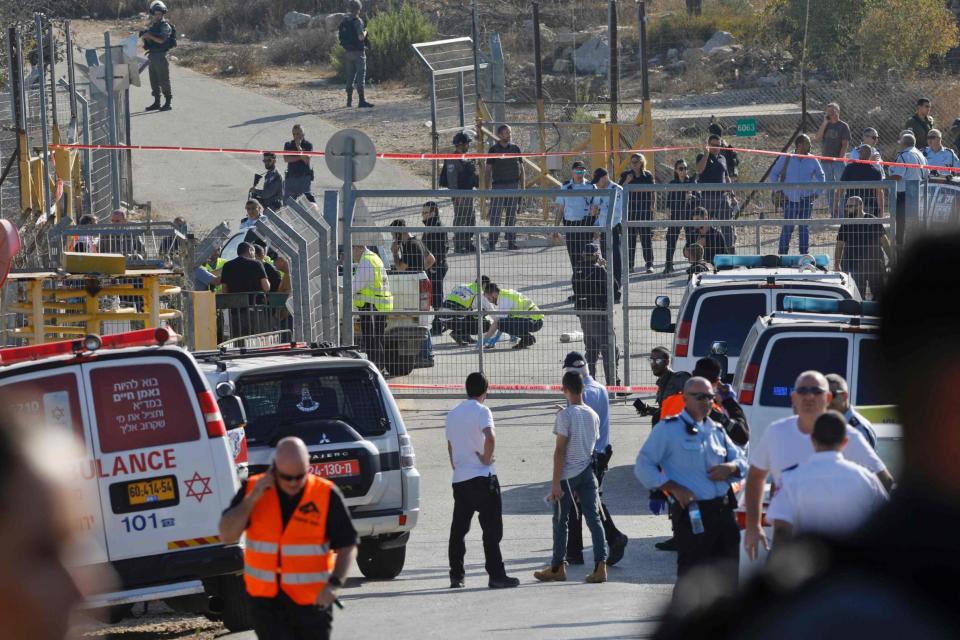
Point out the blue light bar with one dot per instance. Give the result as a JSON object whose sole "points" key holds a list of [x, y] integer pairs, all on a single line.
{"points": [[728, 261], [823, 305]]}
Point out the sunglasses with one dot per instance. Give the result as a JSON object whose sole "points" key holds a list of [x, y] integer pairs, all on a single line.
{"points": [[296, 478], [657, 359], [580, 172], [702, 397], [810, 391], [681, 168]]}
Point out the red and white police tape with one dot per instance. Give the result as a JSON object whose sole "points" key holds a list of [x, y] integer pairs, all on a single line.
{"points": [[513, 387]]}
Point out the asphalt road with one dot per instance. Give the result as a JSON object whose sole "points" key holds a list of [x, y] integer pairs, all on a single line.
{"points": [[208, 188], [419, 603]]}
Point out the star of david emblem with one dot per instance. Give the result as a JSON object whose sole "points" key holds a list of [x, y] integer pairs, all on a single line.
{"points": [[57, 414], [198, 486]]}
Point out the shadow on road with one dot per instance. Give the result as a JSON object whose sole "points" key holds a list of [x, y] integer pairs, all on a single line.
{"points": [[269, 119]]}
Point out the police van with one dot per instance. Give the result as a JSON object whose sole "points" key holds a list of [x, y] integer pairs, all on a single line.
{"points": [[721, 307], [822, 335], [159, 467], [340, 406]]}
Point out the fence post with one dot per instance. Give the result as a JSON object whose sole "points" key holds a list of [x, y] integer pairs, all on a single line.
{"points": [[434, 136], [614, 65], [112, 122], [497, 78], [479, 301], [45, 159], [625, 286], [476, 55], [87, 157], [346, 330], [71, 73], [610, 357], [460, 100]]}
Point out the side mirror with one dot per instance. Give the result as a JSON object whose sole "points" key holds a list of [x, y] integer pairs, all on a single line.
{"points": [[231, 408], [660, 318]]}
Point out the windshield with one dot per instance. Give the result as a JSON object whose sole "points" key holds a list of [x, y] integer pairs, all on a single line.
{"points": [[273, 402], [793, 355], [728, 318]]}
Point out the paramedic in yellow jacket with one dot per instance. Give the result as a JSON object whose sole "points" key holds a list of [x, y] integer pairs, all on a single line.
{"points": [[371, 292]]}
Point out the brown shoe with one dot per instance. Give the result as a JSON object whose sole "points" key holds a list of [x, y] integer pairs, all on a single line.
{"points": [[599, 573], [552, 574]]}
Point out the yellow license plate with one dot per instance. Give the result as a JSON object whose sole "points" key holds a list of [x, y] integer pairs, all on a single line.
{"points": [[149, 491]]}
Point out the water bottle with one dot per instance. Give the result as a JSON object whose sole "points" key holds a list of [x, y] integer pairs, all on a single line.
{"points": [[696, 521]]}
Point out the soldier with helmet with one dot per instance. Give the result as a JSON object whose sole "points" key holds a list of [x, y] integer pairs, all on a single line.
{"points": [[461, 174], [158, 38]]}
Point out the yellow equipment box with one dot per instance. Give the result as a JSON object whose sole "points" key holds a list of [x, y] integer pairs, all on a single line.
{"points": [[106, 263]]}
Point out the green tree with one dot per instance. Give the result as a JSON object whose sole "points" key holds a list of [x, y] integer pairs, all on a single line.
{"points": [[905, 34], [831, 31]]}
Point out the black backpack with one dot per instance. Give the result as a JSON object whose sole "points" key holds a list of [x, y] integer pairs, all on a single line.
{"points": [[172, 40], [347, 34]]}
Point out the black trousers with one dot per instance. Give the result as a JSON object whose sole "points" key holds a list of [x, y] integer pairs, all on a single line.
{"points": [[463, 216], [644, 233], [719, 542], [159, 71], [617, 259], [372, 328], [462, 326], [673, 234], [576, 241], [436, 276], [575, 523], [281, 618], [520, 327], [901, 218], [479, 495]]}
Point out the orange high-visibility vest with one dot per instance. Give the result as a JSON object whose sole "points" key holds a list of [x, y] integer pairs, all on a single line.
{"points": [[297, 558], [672, 406]]}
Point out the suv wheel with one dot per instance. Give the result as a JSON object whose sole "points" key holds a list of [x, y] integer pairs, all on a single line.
{"points": [[380, 564], [236, 613]]}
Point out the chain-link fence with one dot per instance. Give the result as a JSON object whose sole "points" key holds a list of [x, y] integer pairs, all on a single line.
{"points": [[586, 305]]}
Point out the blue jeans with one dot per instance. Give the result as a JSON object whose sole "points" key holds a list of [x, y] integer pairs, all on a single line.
{"points": [[801, 210], [584, 486]]}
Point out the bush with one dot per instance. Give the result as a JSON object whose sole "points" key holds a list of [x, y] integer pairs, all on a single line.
{"points": [[831, 33], [302, 46], [906, 45], [391, 34]]}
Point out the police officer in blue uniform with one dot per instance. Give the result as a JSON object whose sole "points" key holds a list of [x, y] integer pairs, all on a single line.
{"points": [[698, 461]]}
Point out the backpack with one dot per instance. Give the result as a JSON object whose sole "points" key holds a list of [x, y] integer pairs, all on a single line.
{"points": [[347, 34], [172, 40]]}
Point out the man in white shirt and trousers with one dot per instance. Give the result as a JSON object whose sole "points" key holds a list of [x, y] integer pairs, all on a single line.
{"points": [[470, 444], [826, 495]]}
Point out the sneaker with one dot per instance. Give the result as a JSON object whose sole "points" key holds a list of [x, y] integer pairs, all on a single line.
{"points": [[574, 558], [599, 573], [667, 545], [648, 268], [616, 550], [512, 246], [456, 583], [503, 582], [551, 574]]}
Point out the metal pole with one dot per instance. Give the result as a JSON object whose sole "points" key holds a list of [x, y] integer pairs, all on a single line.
{"points": [[476, 53], [45, 160], [433, 129], [625, 292], [461, 99], [53, 74], [479, 302], [610, 357], [346, 330], [71, 72], [538, 81], [87, 154], [614, 70], [127, 155], [22, 92], [12, 74], [644, 57], [112, 113]]}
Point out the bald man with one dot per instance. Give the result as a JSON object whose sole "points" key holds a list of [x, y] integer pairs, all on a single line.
{"points": [[300, 545]]}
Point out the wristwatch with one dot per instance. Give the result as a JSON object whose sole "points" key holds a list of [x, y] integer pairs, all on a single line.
{"points": [[335, 582]]}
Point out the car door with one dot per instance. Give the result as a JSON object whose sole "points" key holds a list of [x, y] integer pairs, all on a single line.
{"points": [[867, 395], [160, 488], [55, 398]]}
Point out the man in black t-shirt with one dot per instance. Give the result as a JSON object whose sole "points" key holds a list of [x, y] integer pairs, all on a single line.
{"points": [[280, 616], [860, 249], [504, 173], [299, 175], [706, 236], [712, 169], [873, 199], [244, 274]]}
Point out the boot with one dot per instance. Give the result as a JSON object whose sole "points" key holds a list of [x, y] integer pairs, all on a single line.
{"points": [[551, 574], [155, 105], [599, 573], [166, 104], [350, 97], [363, 101]]}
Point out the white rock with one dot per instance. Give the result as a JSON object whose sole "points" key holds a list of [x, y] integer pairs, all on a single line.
{"points": [[296, 20], [562, 65], [593, 56], [719, 39], [673, 54], [332, 21]]}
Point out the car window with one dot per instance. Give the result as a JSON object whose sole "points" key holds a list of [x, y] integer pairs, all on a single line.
{"points": [[791, 356], [870, 368], [53, 400], [728, 318], [275, 401], [804, 294], [141, 405]]}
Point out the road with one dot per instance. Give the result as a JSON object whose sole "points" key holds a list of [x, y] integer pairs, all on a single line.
{"points": [[208, 188], [419, 603]]}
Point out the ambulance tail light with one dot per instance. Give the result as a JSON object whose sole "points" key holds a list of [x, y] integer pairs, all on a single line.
{"points": [[426, 294], [749, 385], [211, 415], [683, 339]]}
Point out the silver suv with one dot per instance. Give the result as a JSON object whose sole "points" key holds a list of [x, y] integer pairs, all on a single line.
{"points": [[341, 407]]}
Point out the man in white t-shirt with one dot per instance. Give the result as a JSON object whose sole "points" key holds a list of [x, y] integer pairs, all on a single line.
{"points": [[787, 443], [470, 444], [827, 494], [574, 485]]}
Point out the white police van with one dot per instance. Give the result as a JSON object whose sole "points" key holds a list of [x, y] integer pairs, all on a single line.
{"points": [[722, 306], [159, 466], [822, 335], [342, 408]]}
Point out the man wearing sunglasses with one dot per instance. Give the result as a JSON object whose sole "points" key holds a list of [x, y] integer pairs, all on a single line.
{"points": [[786, 443], [693, 460], [577, 210], [669, 383], [300, 545]]}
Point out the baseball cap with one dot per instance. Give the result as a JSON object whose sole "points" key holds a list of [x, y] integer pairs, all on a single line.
{"points": [[715, 129], [574, 360]]}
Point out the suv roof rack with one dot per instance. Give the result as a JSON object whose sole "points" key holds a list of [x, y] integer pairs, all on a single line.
{"points": [[290, 348]]}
